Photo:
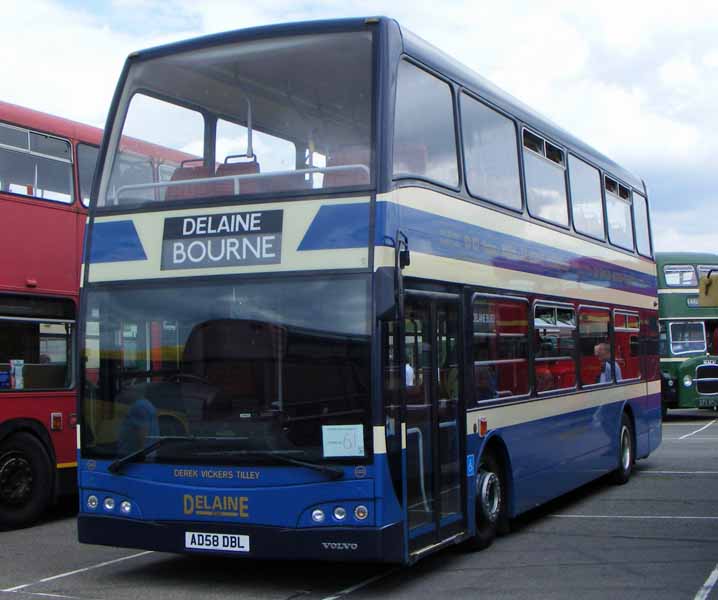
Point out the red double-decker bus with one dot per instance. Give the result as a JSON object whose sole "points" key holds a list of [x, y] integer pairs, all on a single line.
{"points": [[46, 168]]}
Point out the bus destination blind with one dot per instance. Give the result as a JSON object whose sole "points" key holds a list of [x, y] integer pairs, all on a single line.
{"points": [[222, 240]]}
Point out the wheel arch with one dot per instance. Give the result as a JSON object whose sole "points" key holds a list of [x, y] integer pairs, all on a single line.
{"points": [[496, 445], [33, 427]]}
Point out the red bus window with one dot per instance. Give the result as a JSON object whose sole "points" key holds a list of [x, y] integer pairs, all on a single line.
{"points": [[595, 346], [500, 348], [554, 365]]}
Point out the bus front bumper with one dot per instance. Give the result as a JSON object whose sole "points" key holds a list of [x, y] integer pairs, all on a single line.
{"points": [[359, 544]]}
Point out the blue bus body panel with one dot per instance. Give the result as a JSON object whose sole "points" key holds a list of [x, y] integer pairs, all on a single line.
{"points": [[549, 457]]}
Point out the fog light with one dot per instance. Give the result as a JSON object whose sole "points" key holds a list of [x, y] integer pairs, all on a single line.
{"points": [[361, 512], [670, 383], [340, 513], [109, 504], [688, 381], [92, 502], [125, 507], [318, 515]]}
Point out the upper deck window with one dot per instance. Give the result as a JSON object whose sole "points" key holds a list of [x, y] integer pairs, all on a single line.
{"points": [[680, 276], [492, 163], [643, 234], [703, 270], [35, 164], [424, 137], [544, 166], [586, 201], [618, 209], [86, 162], [286, 114]]}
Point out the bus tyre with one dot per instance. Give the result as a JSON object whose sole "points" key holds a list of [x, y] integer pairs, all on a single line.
{"points": [[626, 451], [25, 480], [490, 505]]}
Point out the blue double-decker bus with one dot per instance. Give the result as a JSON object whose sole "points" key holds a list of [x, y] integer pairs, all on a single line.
{"points": [[380, 307]]}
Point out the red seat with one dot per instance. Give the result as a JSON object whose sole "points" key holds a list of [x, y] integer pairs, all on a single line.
{"points": [[247, 186], [189, 190], [348, 155]]}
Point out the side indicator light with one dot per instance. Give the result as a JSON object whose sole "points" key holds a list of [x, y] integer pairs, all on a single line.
{"points": [[56, 421], [483, 426]]}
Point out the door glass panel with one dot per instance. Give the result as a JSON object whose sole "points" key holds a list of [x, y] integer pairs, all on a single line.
{"points": [[419, 451], [448, 403]]}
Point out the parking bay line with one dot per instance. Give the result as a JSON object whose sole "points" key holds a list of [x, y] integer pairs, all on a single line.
{"points": [[76, 571], [707, 586], [659, 517], [361, 585], [683, 437]]}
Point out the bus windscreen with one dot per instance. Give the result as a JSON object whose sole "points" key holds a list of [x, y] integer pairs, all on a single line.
{"points": [[260, 117]]}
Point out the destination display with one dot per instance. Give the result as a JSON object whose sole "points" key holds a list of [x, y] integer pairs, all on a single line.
{"points": [[221, 240]]}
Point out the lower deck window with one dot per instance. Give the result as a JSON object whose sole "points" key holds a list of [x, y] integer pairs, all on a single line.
{"points": [[500, 348], [554, 347], [35, 354]]}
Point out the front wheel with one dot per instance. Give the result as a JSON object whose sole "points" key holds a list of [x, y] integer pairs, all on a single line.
{"points": [[25, 480], [626, 451], [490, 502]]}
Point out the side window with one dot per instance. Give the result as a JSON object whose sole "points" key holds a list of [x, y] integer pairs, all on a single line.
{"points": [[36, 339], [424, 135], [554, 365], [492, 163], [86, 162], [627, 329], [35, 164], [680, 276], [586, 202], [618, 210], [594, 345], [266, 153], [687, 337], [544, 165], [500, 348], [177, 135], [643, 234]]}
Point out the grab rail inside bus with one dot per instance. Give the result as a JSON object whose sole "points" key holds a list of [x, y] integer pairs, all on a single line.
{"points": [[237, 178]]}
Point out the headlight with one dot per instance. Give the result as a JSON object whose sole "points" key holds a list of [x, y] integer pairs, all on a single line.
{"points": [[687, 380], [109, 503], [670, 383], [92, 502], [340, 513], [126, 507], [318, 515]]}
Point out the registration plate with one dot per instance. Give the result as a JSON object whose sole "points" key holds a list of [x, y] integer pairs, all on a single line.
{"points": [[221, 542]]}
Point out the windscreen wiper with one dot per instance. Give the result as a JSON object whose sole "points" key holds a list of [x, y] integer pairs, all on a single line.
{"points": [[116, 465], [333, 472]]}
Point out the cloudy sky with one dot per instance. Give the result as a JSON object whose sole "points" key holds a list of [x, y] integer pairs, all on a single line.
{"points": [[638, 80]]}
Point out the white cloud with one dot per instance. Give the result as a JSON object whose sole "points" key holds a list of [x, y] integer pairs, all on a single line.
{"points": [[635, 79]]}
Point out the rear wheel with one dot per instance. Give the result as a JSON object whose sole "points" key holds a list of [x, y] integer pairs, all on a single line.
{"points": [[490, 502], [25, 480], [626, 451]]}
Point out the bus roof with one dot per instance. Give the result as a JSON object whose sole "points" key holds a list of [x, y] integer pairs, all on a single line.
{"points": [[426, 53], [44, 122], [686, 258]]}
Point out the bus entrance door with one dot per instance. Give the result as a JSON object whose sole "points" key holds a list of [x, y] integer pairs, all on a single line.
{"points": [[433, 424]]}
